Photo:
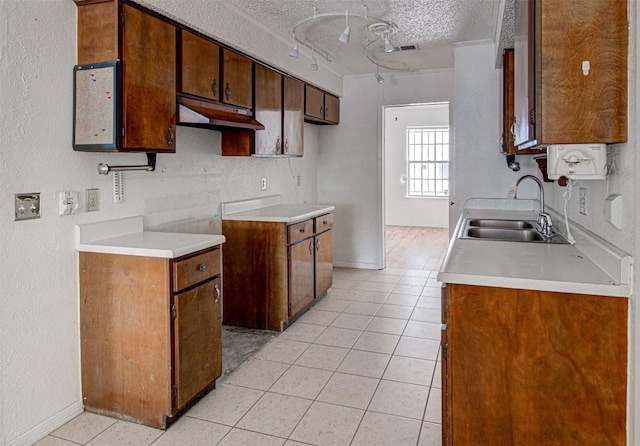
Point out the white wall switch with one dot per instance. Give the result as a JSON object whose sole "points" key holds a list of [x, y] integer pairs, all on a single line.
{"points": [[264, 183], [68, 203]]}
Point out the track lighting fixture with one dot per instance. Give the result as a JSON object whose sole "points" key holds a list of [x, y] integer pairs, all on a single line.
{"points": [[294, 51], [388, 46], [379, 78], [380, 29], [344, 37]]}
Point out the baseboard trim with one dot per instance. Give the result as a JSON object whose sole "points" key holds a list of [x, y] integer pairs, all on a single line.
{"points": [[356, 265], [46, 427]]}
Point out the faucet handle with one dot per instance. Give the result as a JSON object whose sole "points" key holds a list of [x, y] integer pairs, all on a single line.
{"points": [[545, 223]]}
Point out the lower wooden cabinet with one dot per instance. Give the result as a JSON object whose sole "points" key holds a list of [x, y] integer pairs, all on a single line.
{"points": [[523, 367], [276, 270], [150, 333]]}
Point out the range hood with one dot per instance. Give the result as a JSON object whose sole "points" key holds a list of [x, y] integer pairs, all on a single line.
{"points": [[211, 115]]}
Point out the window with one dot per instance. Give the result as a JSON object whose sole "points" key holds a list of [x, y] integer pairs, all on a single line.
{"points": [[428, 161]]}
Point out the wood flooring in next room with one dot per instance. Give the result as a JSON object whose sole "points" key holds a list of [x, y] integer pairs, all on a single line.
{"points": [[413, 247]]}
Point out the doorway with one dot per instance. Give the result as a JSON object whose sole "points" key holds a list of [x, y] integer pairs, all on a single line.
{"points": [[416, 184]]}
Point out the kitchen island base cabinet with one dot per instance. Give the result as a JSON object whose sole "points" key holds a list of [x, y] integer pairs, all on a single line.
{"points": [[524, 367], [277, 270], [150, 333]]}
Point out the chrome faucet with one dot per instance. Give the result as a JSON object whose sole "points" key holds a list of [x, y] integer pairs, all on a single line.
{"points": [[544, 223]]}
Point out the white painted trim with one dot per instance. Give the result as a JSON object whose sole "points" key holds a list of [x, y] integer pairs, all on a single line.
{"points": [[43, 429], [472, 43], [355, 265]]}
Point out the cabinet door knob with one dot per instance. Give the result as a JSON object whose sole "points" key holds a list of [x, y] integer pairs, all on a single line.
{"points": [[318, 245], [286, 146], [202, 267], [217, 288], [170, 141], [311, 247], [227, 91], [214, 87]]}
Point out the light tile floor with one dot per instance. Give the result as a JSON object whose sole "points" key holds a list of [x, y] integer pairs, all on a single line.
{"points": [[360, 368]]}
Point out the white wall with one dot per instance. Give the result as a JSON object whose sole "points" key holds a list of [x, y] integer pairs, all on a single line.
{"points": [[350, 159], [479, 169], [39, 343], [399, 209]]}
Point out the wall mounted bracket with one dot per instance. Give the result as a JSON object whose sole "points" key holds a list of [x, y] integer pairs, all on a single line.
{"points": [[104, 169]]}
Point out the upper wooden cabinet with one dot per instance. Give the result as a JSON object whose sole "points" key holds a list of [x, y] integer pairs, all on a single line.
{"points": [[320, 107], [570, 72], [508, 118], [293, 118], [268, 111], [148, 76], [200, 66], [279, 102], [331, 108], [237, 79], [313, 102]]}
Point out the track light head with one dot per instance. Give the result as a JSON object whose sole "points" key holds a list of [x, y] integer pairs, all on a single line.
{"points": [[314, 62], [294, 51], [344, 37], [388, 46], [379, 78]]}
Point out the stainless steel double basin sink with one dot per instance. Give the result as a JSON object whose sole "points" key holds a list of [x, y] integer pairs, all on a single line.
{"points": [[506, 230]]}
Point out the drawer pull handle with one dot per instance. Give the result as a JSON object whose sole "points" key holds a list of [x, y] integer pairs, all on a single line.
{"points": [[301, 230], [217, 288], [324, 222], [202, 267]]}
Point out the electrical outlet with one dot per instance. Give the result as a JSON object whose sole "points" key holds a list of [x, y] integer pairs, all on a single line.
{"points": [[93, 200], [264, 183], [27, 206], [583, 201]]}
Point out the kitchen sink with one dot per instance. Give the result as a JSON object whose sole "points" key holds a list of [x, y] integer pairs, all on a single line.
{"points": [[506, 230], [502, 224]]}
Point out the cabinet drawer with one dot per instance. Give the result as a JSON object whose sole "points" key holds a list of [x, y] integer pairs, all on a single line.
{"points": [[300, 231], [323, 223], [195, 269]]}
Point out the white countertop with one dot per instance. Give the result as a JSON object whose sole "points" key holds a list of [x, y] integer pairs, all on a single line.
{"points": [[526, 265], [269, 209], [126, 236]]}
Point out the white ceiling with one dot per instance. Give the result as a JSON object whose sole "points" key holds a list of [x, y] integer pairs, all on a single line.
{"points": [[432, 25]]}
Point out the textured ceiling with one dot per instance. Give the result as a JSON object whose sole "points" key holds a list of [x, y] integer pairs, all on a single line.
{"points": [[432, 25]]}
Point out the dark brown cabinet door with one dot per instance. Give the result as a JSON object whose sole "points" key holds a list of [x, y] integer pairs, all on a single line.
{"points": [[197, 340], [331, 108], [200, 66], [301, 288], [531, 367], [314, 102], [293, 117], [556, 101], [237, 79], [149, 82], [508, 112], [268, 111], [324, 262]]}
